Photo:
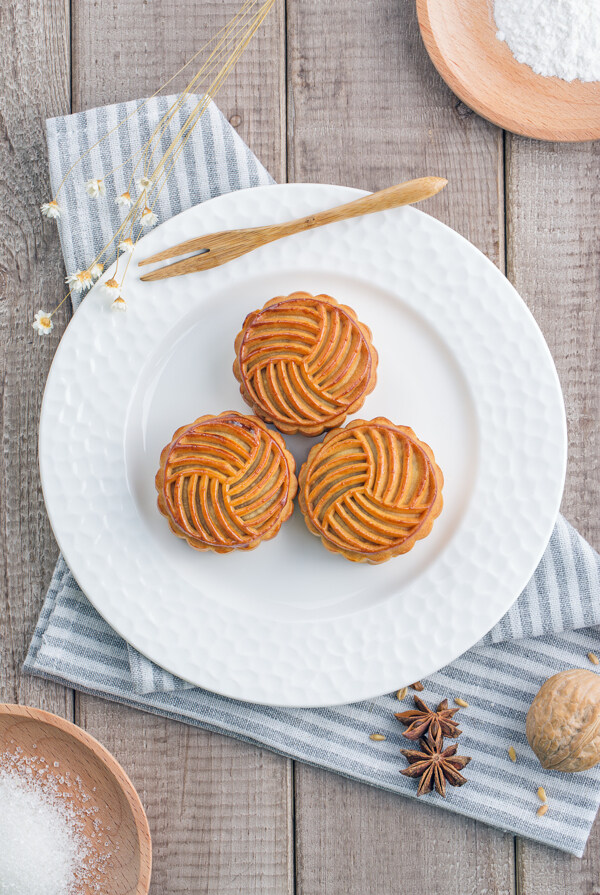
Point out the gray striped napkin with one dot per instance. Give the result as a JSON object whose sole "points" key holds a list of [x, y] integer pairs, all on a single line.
{"points": [[548, 629]]}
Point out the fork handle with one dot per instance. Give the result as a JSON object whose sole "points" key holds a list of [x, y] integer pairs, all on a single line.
{"points": [[229, 244], [392, 197]]}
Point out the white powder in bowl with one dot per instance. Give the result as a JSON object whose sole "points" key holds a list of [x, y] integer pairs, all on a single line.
{"points": [[46, 844], [554, 37], [40, 851]]}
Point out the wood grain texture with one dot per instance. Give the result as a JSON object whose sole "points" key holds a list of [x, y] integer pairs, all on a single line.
{"points": [[553, 234], [553, 260], [368, 109], [220, 811], [126, 50], [34, 73], [352, 839], [544, 871]]}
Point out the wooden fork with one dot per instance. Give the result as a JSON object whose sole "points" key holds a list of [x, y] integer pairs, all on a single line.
{"points": [[218, 248]]}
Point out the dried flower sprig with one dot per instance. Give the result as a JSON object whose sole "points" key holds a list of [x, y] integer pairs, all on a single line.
{"points": [[112, 288], [149, 169], [126, 245], [143, 183], [148, 218], [95, 187], [124, 200], [80, 281], [42, 323], [51, 209]]}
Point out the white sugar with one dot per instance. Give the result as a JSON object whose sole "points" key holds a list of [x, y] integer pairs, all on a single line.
{"points": [[39, 850], [554, 37], [43, 846]]}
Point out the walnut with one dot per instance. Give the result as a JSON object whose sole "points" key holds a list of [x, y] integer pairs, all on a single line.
{"points": [[563, 721]]}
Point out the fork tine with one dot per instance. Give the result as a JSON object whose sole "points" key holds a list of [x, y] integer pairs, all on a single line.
{"points": [[204, 261], [192, 245]]}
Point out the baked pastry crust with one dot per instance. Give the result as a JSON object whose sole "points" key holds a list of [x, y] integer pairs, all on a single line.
{"points": [[226, 482], [370, 491], [304, 362]]}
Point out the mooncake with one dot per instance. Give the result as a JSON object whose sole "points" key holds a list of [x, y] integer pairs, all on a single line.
{"points": [[371, 490], [304, 362], [226, 482]]}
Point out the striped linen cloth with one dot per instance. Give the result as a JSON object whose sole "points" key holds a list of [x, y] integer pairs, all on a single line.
{"points": [[551, 627]]}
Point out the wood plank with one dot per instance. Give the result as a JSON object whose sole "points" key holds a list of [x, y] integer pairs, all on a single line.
{"points": [[553, 234], [220, 811], [541, 869], [352, 839], [34, 73], [368, 109], [552, 257], [119, 55]]}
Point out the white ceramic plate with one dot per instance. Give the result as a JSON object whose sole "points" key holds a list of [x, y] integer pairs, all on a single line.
{"points": [[461, 361]]}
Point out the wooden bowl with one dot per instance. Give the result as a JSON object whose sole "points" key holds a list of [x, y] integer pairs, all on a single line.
{"points": [[129, 852], [460, 37]]}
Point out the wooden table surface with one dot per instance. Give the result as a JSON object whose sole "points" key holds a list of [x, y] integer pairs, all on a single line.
{"points": [[335, 92]]}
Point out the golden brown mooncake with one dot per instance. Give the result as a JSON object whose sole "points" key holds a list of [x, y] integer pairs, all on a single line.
{"points": [[304, 362], [226, 482], [370, 490]]}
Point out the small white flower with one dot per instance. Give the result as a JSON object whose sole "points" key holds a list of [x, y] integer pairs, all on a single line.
{"points": [[79, 281], [97, 270], [119, 304], [50, 209], [111, 288], [143, 183], [43, 323], [126, 245], [148, 218], [95, 188], [124, 200]]}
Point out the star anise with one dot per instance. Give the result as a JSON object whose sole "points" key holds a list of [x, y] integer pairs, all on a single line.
{"points": [[421, 719], [435, 766]]}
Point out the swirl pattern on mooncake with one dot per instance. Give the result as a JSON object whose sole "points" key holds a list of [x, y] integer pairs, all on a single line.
{"points": [[226, 482], [305, 362], [371, 490]]}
